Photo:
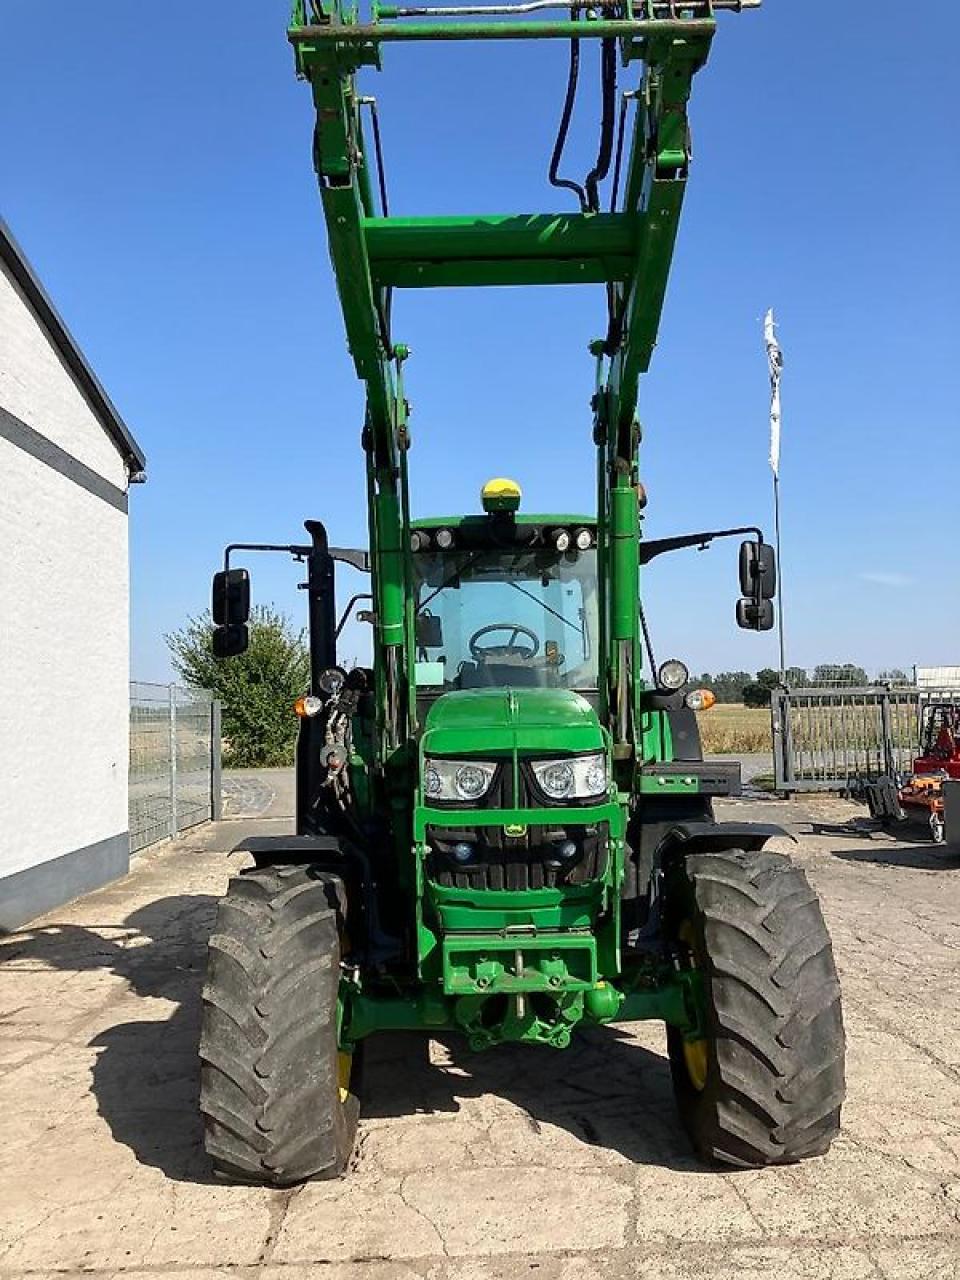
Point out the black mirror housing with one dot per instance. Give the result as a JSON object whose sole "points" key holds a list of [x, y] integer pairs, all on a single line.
{"points": [[231, 597], [753, 616], [429, 631], [758, 570], [230, 641]]}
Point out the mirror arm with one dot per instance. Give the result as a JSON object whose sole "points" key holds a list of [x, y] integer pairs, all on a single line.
{"points": [[362, 595], [660, 546], [352, 556], [262, 546]]}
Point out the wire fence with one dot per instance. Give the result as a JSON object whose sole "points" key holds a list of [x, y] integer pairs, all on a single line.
{"points": [[174, 761]]}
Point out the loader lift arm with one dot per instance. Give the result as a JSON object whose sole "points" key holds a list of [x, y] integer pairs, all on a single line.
{"points": [[627, 249]]}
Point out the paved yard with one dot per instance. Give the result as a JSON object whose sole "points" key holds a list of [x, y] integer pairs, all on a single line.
{"points": [[519, 1163]]}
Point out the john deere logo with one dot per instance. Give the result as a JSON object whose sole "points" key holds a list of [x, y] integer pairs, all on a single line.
{"points": [[514, 832]]}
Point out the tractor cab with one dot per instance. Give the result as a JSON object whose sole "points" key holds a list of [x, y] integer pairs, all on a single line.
{"points": [[505, 601]]}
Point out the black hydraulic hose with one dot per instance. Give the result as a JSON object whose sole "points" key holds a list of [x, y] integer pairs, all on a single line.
{"points": [[615, 314], [384, 310], [378, 152], [621, 128], [608, 77], [651, 660], [564, 128]]}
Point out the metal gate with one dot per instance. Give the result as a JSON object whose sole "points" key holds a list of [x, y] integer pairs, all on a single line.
{"points": [[838, 739], [174, 761]]}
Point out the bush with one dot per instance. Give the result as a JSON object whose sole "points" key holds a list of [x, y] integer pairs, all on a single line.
{"points": [[257, 689], [756, 695]]}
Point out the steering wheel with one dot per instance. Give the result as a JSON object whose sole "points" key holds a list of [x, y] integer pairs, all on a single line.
{"points": [[508, 650]]}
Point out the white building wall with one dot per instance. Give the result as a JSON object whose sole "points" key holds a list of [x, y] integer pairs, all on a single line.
{"points": [[64, 631], [38, 389], [937, 677]]}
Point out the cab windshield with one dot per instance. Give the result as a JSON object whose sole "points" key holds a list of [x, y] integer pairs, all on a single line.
{"points": [[506, 618]]}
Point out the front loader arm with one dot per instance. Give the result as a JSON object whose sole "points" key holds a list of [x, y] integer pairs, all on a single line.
{"points": [[628, 250]]}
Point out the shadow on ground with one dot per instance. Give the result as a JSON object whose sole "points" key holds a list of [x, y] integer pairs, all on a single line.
{"points": [[605, 1089], [917, 857]]}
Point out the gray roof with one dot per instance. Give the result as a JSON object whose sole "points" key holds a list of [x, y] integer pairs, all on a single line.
{"points": [[101, 404]]}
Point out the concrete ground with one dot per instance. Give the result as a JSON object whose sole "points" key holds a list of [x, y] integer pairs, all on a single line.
{"points": [[516, 1163]]}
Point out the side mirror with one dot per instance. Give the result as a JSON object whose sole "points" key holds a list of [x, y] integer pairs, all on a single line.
{"points": [[429, 631], [754, 616], [232, 640], [231, 598], [758, 570]]}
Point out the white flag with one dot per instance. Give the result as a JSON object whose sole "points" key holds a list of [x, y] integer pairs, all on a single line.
{"points": [[775, 361]]}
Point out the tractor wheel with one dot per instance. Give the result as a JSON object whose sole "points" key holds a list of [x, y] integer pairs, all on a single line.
{"points": [[765, 1084], [278, 1098]]}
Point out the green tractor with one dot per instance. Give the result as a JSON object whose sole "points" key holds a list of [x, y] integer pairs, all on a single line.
{"points": [[504, 825]]}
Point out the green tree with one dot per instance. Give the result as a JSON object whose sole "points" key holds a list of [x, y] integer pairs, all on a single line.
{"points": [[847, 674], [257, 689], [728, 685], [756, 694]]}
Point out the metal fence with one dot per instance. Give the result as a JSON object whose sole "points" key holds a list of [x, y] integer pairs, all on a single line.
{"points": [[174, 761], [838, 739]]}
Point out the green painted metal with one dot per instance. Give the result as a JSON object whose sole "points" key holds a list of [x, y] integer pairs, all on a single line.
{"points": [[548, 957], [529, 249]]}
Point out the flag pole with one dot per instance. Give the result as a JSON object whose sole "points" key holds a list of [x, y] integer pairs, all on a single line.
{"points": [[776, 519], [775, 362]]}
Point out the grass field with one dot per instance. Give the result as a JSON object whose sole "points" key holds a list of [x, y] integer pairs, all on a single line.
{"points": [[735, 729]]}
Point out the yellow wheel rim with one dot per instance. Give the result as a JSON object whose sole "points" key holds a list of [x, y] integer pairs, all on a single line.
{"points": [[344, 1068], [695, 1056], [695, 1060]]}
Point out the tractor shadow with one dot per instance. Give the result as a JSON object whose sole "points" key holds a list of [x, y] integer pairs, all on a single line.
{"points": [[606, 1090], [145, 1076], [914, 857]]}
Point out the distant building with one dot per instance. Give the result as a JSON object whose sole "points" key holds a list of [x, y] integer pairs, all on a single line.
{"points": [[66, 461], [936, 677]]}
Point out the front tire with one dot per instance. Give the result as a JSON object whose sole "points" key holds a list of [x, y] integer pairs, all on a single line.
{"points": [[764, 1086], [278, 1098]]}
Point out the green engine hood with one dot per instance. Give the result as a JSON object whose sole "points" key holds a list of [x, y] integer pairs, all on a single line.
{"points": [[479, 721]]}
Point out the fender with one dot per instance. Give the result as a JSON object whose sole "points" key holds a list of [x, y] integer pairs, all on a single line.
{"points": [[710, 837]]}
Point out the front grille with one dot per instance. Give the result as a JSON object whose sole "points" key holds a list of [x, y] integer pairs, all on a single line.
{"points": [[528, 861]]}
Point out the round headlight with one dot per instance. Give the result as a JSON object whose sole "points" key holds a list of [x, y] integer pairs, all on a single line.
{"points": [[584, 539], [470, 782], [331, 681], [561, 539], [673, 675], [432, 782], [596, 779], [418, 541], [700, 699], [444, 539], [557, 780]]}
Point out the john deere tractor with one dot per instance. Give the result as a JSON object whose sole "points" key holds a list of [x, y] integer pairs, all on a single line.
{"points": [[504, 824]]}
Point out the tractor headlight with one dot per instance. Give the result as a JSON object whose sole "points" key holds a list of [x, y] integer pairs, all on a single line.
{"points": [[577, 778], [673, 675], [465, 780]]}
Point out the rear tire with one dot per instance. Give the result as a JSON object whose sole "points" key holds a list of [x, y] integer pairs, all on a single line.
{"points": [[765, 1086], [279, 1101]]}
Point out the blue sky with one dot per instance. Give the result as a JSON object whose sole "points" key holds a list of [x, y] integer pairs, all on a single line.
{"points": [[157, 172]]}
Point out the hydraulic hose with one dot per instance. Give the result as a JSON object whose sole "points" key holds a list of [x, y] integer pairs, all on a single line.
{"points": [[608, 77], [565, 117]]}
